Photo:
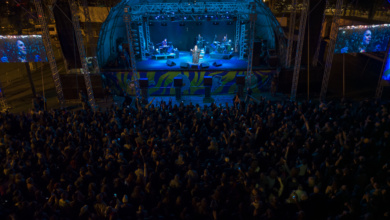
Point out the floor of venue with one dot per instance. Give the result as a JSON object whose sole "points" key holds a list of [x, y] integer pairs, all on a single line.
{"points": [[229, 61]]}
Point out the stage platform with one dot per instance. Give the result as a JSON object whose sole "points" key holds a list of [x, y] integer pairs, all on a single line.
{"points": [[159, 62], [163, 56], [220, 56]]}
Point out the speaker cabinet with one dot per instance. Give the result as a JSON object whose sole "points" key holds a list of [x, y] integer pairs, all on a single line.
{"points": [[240, 80], [178, 82], [178, 93], [143, 82], [170, 63], [205, 65], [217, 63], [184, 65], [208, 81]]}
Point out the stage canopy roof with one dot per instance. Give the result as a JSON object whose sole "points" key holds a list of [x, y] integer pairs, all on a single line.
{"points": [[113, 31]]}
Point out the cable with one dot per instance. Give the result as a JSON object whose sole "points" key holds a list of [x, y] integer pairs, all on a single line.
{"points": [[55, 5], [25, 10]]}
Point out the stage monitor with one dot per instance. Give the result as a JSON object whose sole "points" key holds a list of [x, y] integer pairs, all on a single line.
{"points": [[22, 48], [362, 38]]}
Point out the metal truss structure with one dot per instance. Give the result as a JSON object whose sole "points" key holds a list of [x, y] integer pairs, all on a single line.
{"points": [[89, 34], [3, 102], [147, 34], [49, 52], [379, 88], [51, 6], [317, 53], [291, 29], [252, 24], [237, 39], [142, 42], [83, 56], [192, 11], [298, 53], [331, 46], [243, 45], [127, 19]]}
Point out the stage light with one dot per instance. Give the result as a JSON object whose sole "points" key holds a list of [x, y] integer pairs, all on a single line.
{"points": [[185, 18]]}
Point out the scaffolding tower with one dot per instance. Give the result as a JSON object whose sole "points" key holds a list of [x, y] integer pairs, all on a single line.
{"points": [[329, 56], [127, 19], [3, 102], [147, 34], [88, 31], [317, 53], [237, 39], [379, 88], [252, 24], [49, 52], [142, 42], [291, 30], [243, 45], [298, 53], [83, 57]]}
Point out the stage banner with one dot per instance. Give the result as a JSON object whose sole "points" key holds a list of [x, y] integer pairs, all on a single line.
{"points": [[161, 82]]}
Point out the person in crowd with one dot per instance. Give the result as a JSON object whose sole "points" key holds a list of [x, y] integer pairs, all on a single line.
{"points": [[260, 160]]}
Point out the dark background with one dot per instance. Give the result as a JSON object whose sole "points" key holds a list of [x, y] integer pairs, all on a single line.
{"points": [[184, 37]]}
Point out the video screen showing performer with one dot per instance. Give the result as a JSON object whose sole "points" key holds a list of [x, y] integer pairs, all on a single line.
{"points": [[362, 38], [22, 48]]}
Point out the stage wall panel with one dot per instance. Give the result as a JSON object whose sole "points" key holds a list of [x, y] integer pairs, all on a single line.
{"points": [[161, 82]]}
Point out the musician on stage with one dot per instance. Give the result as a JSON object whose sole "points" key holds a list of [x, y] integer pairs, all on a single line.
{"points": [[164, 43], [215, 38], [199, 41], [224, 40], [195, 54]]}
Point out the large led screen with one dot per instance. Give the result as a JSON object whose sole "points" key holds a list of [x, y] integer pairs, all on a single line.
{"points": [[362, 38], [22, 48]]}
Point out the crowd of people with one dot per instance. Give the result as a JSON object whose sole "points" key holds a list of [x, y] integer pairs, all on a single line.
{"points": [[254, 160]]}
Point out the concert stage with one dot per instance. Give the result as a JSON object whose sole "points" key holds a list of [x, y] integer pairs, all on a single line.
{"points": [[156, 39], [212, 61]]}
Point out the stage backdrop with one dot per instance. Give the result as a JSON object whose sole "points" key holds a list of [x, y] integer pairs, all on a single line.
{"points": [[161, 82], [184, 37]]}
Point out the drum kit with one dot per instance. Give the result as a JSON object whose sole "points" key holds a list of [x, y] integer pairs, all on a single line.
{"points": [[221, 47], [165, 48]]}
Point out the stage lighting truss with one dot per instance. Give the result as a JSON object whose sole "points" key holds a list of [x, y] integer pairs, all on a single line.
{"points": [[221, 11]]}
